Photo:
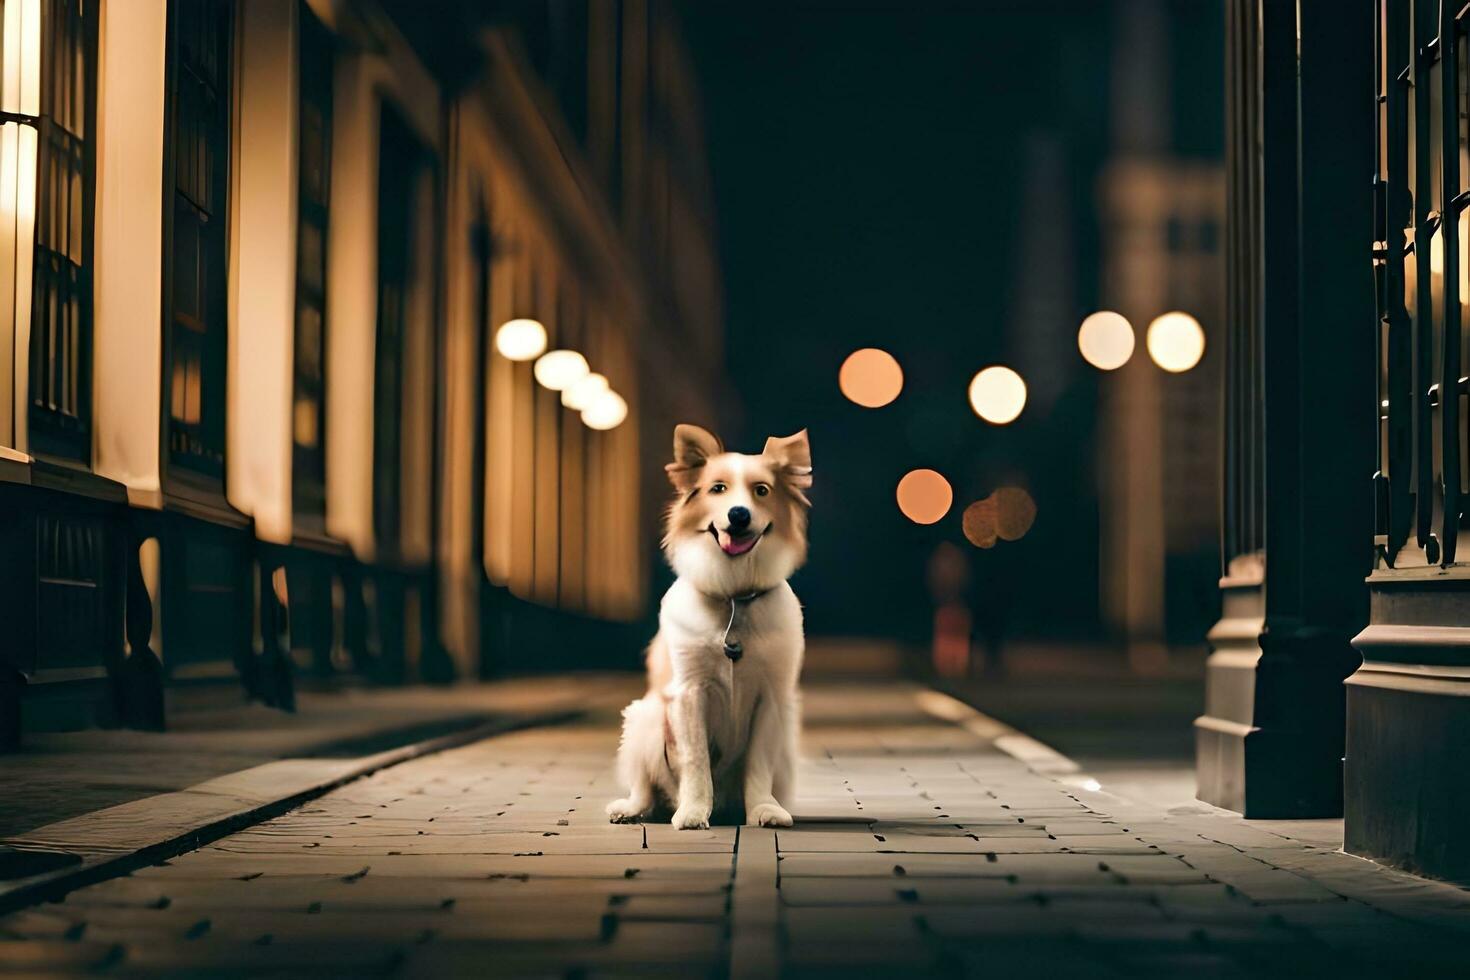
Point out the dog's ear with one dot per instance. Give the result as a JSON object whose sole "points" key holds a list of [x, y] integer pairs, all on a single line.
{"points": [[693, 447], [791, 457]]}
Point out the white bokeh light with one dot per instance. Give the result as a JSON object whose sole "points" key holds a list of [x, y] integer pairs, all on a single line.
{"points": [[580, 394], [997, 394], [521, 339], [560, 369], [1106, 340], [1176, 342], [607, 411]]}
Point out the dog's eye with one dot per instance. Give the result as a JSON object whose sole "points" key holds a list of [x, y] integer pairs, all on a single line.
{"points": [[717, 488], [762, 490]]}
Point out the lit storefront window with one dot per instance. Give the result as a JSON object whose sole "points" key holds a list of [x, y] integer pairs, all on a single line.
{"points": [[47, 118]]}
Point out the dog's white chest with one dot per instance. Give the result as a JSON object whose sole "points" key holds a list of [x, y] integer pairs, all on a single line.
{"points": [[768, 631]]}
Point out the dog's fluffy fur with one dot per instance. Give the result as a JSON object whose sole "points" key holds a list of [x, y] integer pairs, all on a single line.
{"points": [[712, 731]]}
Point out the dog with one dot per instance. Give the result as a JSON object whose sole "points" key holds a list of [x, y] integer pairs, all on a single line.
{"points": [[720, 722]]}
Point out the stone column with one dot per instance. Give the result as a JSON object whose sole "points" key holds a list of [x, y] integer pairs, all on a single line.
{"points": [[1299, 503]]}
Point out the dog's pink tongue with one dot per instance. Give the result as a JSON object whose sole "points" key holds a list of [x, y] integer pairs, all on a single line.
{"points": [[736, 546]]}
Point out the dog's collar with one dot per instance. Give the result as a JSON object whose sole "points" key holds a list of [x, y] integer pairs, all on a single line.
{"points": [[744, 597]]}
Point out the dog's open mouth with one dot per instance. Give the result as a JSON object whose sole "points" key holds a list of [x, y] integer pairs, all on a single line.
{"points": [[737, 543]]}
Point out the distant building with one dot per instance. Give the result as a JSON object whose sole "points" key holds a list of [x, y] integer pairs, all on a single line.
{"points": [[1158, 447], [252, 260]]}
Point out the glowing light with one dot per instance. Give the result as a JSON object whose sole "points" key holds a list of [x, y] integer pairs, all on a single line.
{"points": [[1091, 785], [1436, 255], [1007, 514], [560, 369], [20, 86], [1176, 342], [924, 496], [607, 411], [521, 339], [997, 394], [1015, 512], [978, 523], [870, 377], [1106, 340], [580, 395]]}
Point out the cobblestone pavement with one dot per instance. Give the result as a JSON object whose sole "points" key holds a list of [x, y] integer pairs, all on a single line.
{"points": [[920, 848]]}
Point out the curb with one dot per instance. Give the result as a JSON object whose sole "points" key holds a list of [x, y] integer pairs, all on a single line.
{"points": [[1035, 755], [225, 806]]}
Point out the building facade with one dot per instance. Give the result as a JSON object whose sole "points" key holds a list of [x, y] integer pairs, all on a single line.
{"points": [[1339, 683], [254, 428]]}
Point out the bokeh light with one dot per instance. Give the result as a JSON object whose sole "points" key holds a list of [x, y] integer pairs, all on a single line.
{"points": [[997, 394], [1015, 512], [560, 369], [870, 377], [1106, 340], [1176, 342], [1007, 514], [607, 411], [579, 395], [924, 496], [520, 339], [978, 522]]}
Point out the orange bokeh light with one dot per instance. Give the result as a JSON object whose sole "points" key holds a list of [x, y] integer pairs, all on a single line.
{"points": [[1005, 515], [924, 496], [870, 377]]}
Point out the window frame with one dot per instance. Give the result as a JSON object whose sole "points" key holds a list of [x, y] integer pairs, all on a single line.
{"points": [[204, 460], [315, 90], [59, 389]]}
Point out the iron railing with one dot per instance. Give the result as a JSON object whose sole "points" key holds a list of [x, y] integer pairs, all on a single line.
{"points": [[1420, 268]]}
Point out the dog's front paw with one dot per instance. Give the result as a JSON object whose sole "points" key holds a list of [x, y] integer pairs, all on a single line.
{"points": [[768, 815], [691, 817], [623, 811]]}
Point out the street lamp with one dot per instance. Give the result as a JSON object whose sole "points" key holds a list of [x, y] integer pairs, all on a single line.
{"points": [[1176, 342], [560, 369], [521, 339], [997, 394]]}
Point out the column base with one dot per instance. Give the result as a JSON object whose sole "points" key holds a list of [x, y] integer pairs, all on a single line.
{"points": [[1408, 737], [1269, 744], [1230, 694], [1408, 730]]}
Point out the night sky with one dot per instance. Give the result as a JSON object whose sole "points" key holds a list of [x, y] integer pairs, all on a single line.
{"points": [[921, 178]]}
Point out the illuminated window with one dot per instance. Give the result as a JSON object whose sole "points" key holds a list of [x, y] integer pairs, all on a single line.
{"points": [[196, 168], [47, 120], [308, 416]]}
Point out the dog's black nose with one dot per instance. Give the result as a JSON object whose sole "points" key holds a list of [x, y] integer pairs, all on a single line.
{"points": [[739, 518]]}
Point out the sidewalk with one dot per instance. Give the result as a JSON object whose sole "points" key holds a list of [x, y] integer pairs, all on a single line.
{"points": [[60, 775], [85, 805], [921, 848]]}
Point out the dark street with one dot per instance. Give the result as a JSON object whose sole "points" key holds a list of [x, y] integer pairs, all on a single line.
{"points": [[921, 847], [762, 489]]}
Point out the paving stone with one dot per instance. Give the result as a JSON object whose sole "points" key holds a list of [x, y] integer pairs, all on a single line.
{"points": [[805, 926]]}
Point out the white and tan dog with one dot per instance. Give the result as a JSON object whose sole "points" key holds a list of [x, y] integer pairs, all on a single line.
{"points": [[722, 714]]}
